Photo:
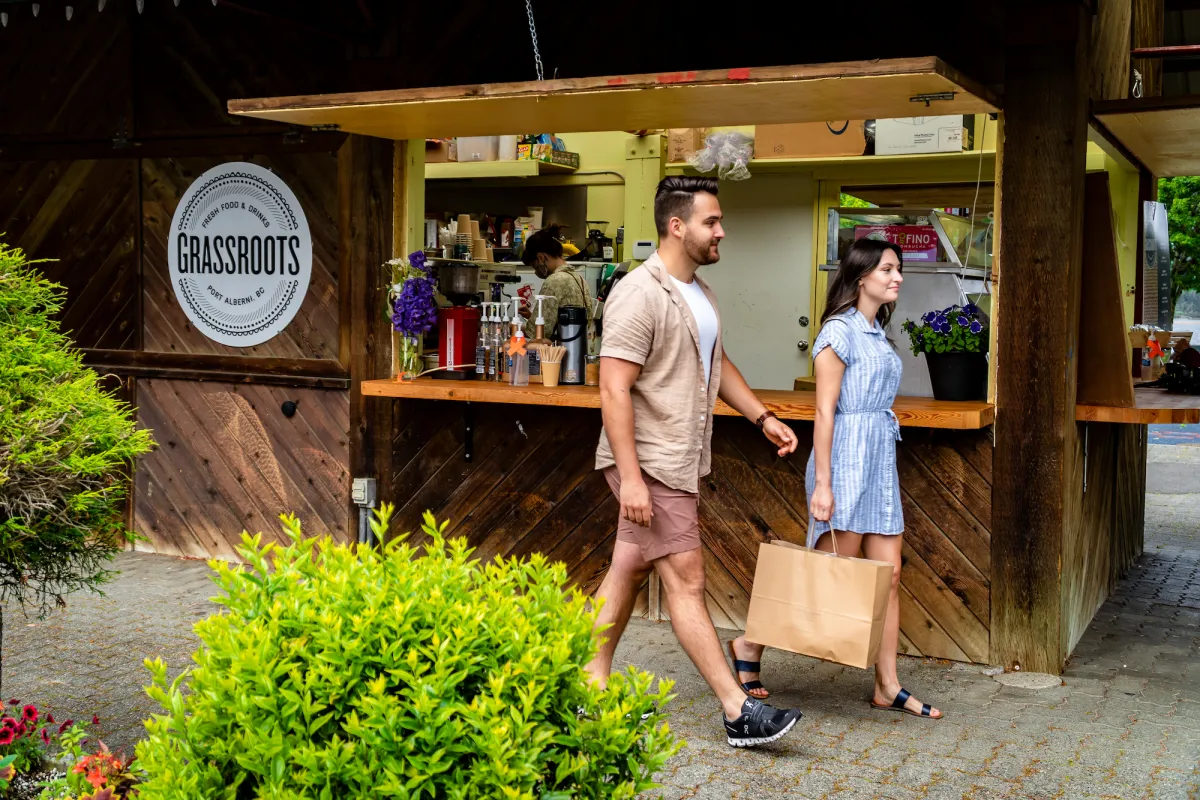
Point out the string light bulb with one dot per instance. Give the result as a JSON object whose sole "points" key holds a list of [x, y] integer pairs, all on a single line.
{"points": [[100, 4], [70, 13], [4, 19], [141, 5], [37, 7]]}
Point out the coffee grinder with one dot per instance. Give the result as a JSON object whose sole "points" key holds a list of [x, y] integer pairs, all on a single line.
{"points": [[458, 325]]}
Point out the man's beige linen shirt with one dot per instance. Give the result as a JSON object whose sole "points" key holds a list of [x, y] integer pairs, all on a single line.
{"points": [[647, 321]]}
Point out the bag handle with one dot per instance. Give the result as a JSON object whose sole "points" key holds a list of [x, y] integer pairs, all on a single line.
{"points": [[833, 536]]}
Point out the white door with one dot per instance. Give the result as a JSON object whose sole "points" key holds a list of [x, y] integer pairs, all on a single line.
{"points": [[764, 277]]}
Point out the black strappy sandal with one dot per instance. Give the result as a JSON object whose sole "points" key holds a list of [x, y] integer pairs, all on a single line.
{"points": [[747, 666], [898, 704]]}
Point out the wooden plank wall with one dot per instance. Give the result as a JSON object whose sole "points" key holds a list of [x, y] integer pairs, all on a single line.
{"points": [[531, 487], [83, 214], [229, 460]]}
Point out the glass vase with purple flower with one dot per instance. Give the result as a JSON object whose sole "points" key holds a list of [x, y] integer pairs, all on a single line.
{"points": [[955, 343], [412, 308]]}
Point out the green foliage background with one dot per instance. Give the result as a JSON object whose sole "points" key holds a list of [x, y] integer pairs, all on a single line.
{"points": [[1181, 196], [66, 446], [343, 672]]}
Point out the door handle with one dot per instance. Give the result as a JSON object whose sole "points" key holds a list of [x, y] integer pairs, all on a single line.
{"points": [[802, 344]]}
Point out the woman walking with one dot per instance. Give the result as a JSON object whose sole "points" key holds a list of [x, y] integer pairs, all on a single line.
{"points": [[852, 484]]}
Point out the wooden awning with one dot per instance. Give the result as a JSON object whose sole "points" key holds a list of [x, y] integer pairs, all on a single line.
{"points": [[1163, 133], [902, 87]]}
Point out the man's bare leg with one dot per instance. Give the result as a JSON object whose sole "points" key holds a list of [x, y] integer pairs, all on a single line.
{"points": [[619, 592], [683, 578]]}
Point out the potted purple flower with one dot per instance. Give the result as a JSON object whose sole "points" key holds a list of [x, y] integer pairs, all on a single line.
{"points": [[955, 342], [413, 309]]}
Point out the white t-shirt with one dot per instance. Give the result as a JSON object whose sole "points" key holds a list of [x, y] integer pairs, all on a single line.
{"points": [[706, 321]]}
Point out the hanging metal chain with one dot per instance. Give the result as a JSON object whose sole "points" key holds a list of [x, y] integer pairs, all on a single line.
{"points": [[537, 56]]}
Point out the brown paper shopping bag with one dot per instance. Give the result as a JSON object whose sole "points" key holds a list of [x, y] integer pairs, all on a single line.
{"points": [[818, 604]]}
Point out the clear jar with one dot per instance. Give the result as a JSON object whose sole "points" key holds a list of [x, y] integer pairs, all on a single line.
{"points": [[591, 371]]}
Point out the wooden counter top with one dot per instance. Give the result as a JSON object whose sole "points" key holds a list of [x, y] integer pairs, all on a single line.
{"points": [[1151, 407], [918, 412]]}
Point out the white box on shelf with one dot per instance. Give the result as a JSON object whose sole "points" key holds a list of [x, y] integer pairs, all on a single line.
{"points": [[478, 148], [944, 134]]}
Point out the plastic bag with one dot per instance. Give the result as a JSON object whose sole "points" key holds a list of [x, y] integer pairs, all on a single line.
{"points": [[729, 153]]}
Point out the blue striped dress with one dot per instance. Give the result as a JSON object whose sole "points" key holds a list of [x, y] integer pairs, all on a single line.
{"points": [[866, 486]]}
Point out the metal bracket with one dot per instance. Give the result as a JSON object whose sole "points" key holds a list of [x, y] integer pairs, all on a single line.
{"points": [[929, 98], [468, 432], [1086, 429], [326, 126]]}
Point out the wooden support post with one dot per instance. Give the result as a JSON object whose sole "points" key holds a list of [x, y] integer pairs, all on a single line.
{"points": [[365, 218], [1035, 494], [1148, 27], [646, 165]]}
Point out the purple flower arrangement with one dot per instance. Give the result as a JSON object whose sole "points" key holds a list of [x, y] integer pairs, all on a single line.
{"points": [[413, 309], [957, 329]]}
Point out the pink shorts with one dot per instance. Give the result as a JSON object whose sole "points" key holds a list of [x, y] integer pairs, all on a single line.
{"points": [[675, 526]]}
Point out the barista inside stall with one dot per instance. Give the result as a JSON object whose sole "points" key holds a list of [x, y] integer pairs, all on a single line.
{"points": [[560, 281]]}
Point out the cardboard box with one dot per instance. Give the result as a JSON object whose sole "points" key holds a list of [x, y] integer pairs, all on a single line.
{"points": [[945, 134], [437, 151], [810, 139], [683, 143], [547, 153]]}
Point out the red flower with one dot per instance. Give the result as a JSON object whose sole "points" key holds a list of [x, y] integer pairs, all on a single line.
{"points": [[21, 729], [49, 719], [95, 720], [45, 736], [9, 723], [14, 702], [6, 737], [95, 778], [65, 725], [29, 714]]}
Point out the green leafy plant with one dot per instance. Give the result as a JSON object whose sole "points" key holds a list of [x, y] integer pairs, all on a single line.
{"points": [[65, 449], [26, 734], [957, 329], [1181, 197], [345, 672], [7, 771]]}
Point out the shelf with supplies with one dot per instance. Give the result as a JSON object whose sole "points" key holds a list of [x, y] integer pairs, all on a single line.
{"points": [[519, 173], [918, 412], [966, 166]]}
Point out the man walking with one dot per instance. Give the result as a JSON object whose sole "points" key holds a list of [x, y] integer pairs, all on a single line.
{"points": [[662, 367]]}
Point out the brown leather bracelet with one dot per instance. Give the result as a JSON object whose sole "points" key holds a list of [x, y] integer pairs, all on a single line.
{"points": [[763, 419]]}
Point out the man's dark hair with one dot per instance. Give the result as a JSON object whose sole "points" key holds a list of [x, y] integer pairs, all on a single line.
{"points": [[675, 197]]}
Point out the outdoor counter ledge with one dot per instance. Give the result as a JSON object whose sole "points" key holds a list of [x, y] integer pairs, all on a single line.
{"points": [[919, 412]]}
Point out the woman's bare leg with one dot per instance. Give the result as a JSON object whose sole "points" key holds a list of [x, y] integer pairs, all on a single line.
{"points": [[887, 681]]}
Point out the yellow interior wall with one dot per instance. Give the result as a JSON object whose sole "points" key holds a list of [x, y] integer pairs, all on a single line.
{"points": [[602, 152]]}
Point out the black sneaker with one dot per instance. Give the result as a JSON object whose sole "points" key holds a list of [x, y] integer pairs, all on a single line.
{"points": [[760, 724]]}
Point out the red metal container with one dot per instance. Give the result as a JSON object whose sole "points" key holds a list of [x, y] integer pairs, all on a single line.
{"points": [[458, 333]]}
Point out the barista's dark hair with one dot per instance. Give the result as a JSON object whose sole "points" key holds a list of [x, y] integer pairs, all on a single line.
{"points": [[544, 241], [860, 260], [675, 197]]}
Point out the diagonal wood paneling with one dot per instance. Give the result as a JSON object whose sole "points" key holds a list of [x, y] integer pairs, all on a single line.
{"points": [[228, 460], [83, 215], [537, 491], [314, 331]]}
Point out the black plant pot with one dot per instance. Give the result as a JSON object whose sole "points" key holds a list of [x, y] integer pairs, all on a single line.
{"points": [[958, 376]]}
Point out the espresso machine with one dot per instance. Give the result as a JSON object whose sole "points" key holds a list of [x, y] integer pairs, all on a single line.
{"points": [[458, 324]]}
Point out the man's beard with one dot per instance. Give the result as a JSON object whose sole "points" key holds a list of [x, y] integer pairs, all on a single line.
{"points": [[700, 254]]}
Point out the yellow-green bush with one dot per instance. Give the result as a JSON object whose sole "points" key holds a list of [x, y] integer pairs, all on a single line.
{"points": [[344, 672]]}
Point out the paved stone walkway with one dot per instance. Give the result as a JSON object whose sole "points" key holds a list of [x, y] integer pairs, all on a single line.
{"points": [[1124, 723]]}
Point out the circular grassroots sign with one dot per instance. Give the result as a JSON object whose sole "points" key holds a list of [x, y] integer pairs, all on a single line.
{"points": [[240, 254]]}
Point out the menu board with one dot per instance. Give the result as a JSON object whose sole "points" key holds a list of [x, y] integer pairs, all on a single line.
{"points": [[917, 242], [1156, 268]]}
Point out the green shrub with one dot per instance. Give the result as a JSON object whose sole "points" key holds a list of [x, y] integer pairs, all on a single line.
{"points": [[351, 673], [65, 449]]}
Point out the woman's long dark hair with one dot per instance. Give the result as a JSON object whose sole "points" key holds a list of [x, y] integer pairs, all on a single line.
{"points": [[544, 241], [860, 260]]}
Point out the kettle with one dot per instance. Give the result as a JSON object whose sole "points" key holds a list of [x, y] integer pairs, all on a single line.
{"points": [[572, 334]]}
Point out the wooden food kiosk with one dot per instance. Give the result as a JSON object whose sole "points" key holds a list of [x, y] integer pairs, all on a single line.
{"points": [[1022, 510], [1016, 532]]}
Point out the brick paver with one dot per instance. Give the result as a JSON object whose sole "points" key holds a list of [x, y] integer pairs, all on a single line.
{"points": [[1124, 723]]}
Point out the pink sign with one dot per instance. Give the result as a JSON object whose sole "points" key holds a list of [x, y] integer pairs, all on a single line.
{"points": [[917, 242]]}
